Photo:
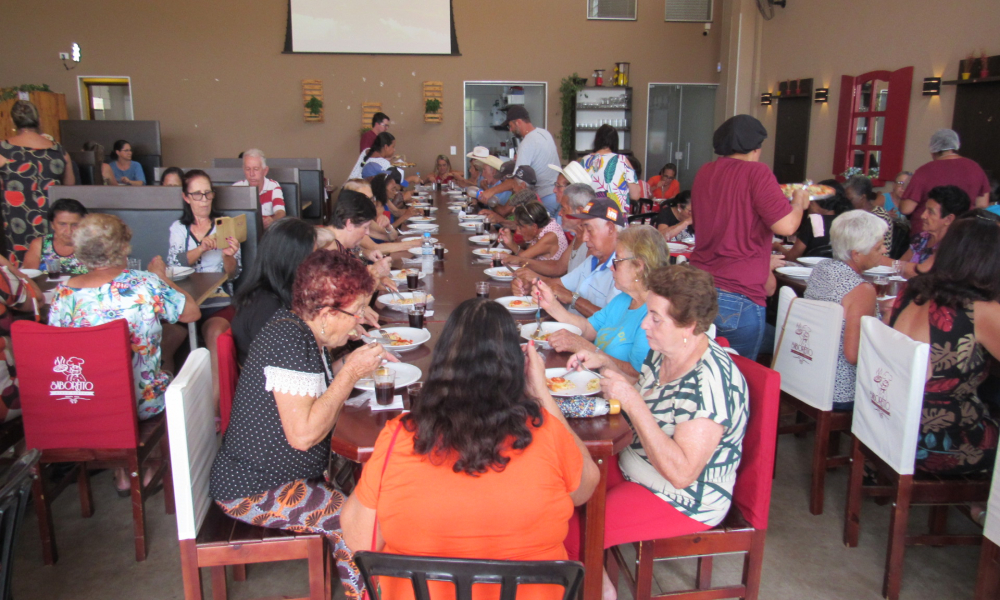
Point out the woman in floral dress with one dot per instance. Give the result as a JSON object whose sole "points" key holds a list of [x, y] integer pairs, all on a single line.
{"points": [[111, 291], [955, 307], [30, 164]]}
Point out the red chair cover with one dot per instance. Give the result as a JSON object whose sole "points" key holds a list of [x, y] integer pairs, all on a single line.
{"points": [[752, 492], [229, 374], [77, 385]]}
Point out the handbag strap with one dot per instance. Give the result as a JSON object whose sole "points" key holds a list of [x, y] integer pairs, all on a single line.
{"points": [[385, 463]]}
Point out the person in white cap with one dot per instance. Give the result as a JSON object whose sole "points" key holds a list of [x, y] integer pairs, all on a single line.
{"points": [[946, 168]]}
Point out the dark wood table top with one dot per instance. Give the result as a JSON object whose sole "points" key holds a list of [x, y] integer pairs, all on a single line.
{"points": [[453, 282]]}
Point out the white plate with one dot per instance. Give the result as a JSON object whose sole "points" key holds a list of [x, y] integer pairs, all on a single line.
{"points": [[489, 252], [880, 270], [472, 218], [418, 237], [528, 330], [419, 337], [494, 273], [506, 300], [796, 272], [456, 207], [811, 261], [482, 240], [32, 273], [454, 193], [405, 375], [678, 247], [579, 379], [424, 226], [419, 251], [392, 302], [422, 220], [468, 225], [178, 273], [399, 275]]}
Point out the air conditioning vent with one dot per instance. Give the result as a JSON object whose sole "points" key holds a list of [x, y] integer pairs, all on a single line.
{"points": [[689, 11], [611, 9]]}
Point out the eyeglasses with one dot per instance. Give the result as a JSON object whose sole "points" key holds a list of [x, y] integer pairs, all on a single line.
{"points": [[615, 261], [901, 182], [356, 316], [202, 196]]}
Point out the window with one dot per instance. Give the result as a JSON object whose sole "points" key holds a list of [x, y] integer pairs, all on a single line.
{"points": [[688, 11], [105, 98], [611, 9], [871, 124]]}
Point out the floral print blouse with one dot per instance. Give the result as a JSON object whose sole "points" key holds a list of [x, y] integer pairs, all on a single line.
{"points": [[142, 299]]}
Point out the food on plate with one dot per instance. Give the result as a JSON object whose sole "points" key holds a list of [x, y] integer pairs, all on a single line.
{"points": [[593, 385], [503, 273], [401, 301], [522, 304], [397, 340], [814, 190], [559, 384]]}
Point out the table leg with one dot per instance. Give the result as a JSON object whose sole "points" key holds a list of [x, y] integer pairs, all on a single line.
{"points": [[593, 536], [193, 335]]}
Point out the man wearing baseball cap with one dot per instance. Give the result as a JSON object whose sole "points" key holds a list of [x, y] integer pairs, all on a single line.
{"points": [[589, 287], [537, 150], [946, 168]]}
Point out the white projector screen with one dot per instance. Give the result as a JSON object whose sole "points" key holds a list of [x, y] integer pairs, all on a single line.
{"points": [[371, 27]]}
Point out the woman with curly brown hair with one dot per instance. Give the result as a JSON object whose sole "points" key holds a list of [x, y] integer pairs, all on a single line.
{"points": [[269, 470], [485, 465], [955, 307]]}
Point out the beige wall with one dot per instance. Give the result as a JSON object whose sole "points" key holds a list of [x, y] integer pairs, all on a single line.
{"points": [[214, 76], [824, 39]]}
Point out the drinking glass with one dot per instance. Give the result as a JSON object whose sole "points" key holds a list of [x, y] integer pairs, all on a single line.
{"points": [[416, 316], [497, 259], [412, 278], [53, 267], [479, 228], [134, 264], [419, 299], [482, 289], [413, 392], [385, 384], [881, 283], [439, 251]]}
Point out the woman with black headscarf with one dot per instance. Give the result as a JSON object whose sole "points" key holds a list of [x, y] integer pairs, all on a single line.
{"points": [[737, 206]]}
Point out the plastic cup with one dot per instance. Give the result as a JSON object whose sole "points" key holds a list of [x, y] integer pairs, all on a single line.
{"points": [[385, 385], [439, 251], [416, 315], [420, 299], [412, 278], [482, 289], [53, 267]]}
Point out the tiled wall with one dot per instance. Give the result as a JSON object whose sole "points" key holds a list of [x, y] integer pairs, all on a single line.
{"points": [[479, 99]]}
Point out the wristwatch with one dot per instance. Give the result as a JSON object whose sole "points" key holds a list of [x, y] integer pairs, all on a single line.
{"points": [[576, 296]]}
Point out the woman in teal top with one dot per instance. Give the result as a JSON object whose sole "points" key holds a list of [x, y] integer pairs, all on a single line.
{"points": [[126, 170], [615, 330]]}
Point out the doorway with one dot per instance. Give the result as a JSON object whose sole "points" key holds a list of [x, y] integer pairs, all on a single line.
{"points": [[791, 138], [679, 129], [486, 103], [105, 98]]}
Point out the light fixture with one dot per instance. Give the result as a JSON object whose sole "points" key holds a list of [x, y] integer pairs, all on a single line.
{"points": [[932, 86], [75, 52], [822, 94], [765, 99], [73, 56]]}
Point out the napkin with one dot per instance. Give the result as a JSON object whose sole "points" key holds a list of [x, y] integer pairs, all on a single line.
{"points": [[360, 400], [397, 404]]}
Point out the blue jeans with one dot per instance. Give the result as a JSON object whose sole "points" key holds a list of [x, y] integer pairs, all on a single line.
{"points": [[551, 204], [740, 321]]}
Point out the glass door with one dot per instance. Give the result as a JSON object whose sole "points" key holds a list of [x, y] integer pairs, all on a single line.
{"points": [[680, 125]]}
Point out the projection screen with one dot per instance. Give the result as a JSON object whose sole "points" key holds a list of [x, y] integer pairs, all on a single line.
{"points": [[371, 27]]}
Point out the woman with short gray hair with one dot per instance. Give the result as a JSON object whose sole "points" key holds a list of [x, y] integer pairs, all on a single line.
{"points": [[857, 240]]}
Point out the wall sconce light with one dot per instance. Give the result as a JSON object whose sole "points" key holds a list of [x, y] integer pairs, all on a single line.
{"points": [[821, 95], [765, 99], [932, 86], [73, 55]]}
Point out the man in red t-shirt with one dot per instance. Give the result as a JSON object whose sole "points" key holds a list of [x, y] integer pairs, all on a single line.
{"points": [[946, 168], [380, 123], [737, 206]]}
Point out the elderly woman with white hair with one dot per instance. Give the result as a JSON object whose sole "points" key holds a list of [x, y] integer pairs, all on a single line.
{"points": [[858, 245]]}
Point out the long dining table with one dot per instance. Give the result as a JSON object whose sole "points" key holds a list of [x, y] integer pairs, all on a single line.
{"points": [[451, 283]]}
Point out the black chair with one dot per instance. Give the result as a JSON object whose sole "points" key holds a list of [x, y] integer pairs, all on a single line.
{"points": [[645, 218], [14, 493], [464, 572]]}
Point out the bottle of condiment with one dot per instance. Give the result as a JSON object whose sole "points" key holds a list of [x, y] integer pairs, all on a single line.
{"points": [[588, 406]]}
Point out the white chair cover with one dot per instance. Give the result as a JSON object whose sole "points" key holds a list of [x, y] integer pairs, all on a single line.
{"points": [[807, 351], [785, 297], [992, 529], [193, 442], [889, 395], [711, 331]]}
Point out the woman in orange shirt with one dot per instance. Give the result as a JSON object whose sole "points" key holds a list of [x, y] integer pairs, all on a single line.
{"points": [[665, 185], [485, 466]]}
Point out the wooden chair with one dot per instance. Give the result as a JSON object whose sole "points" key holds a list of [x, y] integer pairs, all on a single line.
{"points": [[806, 356], [78, 403], [889, 398], [466, 572], [988, 580], [14, 491], [229, 374], [209, 538], [745, 527], [642, 204]]}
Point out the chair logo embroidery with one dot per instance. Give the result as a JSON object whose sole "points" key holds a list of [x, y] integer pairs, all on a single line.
{"points": [[878, 398], [76, 387], [801, 349]]}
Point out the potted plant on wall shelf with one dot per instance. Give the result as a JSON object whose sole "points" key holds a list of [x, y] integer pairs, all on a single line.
{"points": [[315, 106], [431, 108]]}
